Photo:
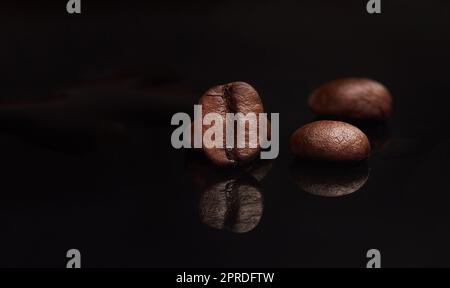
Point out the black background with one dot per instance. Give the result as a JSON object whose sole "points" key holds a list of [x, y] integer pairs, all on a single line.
{"points": [[99, 174]]}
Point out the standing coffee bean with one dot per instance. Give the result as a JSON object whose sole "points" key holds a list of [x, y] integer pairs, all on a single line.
{"points": [[330, 141], [236, 97], [352, 98]]}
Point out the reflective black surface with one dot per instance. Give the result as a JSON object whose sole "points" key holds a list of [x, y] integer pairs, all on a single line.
{"points": [[85, 131]]}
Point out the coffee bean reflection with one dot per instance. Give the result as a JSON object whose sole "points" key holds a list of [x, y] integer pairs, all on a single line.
{"points": [[330, 179], [230, 199], [234, 205]]}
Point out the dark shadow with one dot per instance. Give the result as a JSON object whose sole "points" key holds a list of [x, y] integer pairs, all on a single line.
{"points": [[61, 134], [74, 118]]}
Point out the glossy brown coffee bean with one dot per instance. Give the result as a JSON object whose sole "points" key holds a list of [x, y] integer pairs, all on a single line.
{"points": [[330, 141], [357, 98], [236, 97]]}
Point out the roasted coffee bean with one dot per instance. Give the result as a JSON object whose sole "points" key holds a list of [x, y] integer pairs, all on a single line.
{"points": [[327, 180], [352, 98], [236, 97], [234, 205], [330, 141]]}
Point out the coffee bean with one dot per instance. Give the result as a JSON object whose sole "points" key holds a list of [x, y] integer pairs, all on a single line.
{"points": [[330, 141], [352, 98], [232, 98], [323, 179]]}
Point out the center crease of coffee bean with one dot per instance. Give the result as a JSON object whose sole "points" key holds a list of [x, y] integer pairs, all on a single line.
{"points": [[230, 104]]}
